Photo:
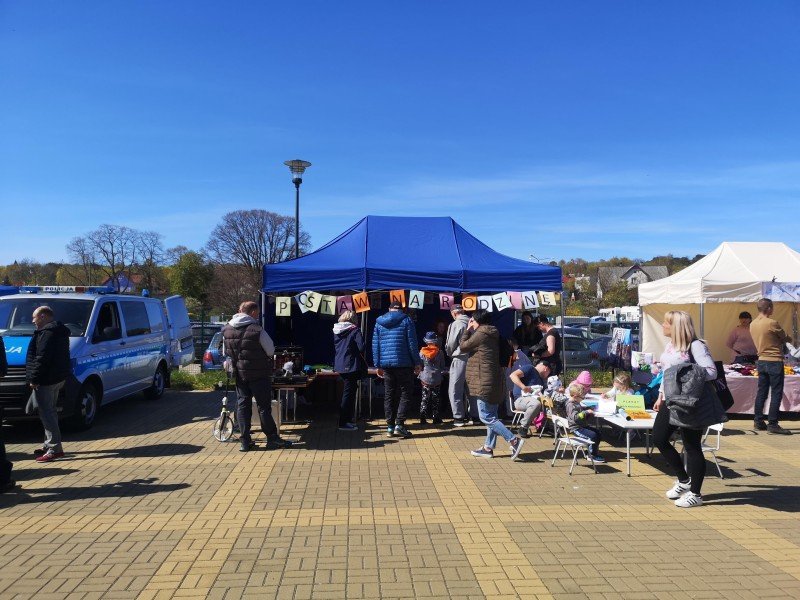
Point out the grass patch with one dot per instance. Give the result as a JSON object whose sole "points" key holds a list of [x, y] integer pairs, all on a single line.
{"points": [[208, 380], [601, 378]]}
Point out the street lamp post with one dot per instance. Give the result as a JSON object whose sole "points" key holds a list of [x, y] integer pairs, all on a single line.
{"points": [[297, 167]]}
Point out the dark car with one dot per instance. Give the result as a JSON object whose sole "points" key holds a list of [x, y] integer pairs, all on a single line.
{"points": [[577, 353], [599, 348]]}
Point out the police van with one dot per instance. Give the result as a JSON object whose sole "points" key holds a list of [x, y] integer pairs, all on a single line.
{"points": [[119, 345]]}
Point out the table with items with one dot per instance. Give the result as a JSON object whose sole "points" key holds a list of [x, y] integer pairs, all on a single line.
{"points": [[743, 383]]}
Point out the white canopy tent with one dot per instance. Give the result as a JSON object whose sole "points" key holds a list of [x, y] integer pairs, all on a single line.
{"points": [[715, 289]]}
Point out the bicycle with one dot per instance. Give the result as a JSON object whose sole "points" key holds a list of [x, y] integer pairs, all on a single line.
{"points": [[226, 422]]}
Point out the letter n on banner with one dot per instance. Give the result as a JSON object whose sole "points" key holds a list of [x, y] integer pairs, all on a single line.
{"points": [[361, 302], [344, 303], [469, 302], [529, 300], [283, 306], [416, 299], [446, 301], [398, 296]]}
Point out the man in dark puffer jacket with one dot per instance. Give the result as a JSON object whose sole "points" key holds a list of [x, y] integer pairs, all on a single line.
{"points": [[395, 352], [250, 349]]}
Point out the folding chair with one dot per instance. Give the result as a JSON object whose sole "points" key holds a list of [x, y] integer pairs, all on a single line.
{"points": [[516, 415], [576, 444], [713, 449], [549, 411]]}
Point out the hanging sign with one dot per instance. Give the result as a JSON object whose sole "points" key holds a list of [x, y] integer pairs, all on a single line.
{"points": [[501, 301], [485, 303], [446, 301], [469, 302], [327, 305], [529, 300], [416, 299], [283, 306], [398, 296], [548, 298], [303, 301], [516, 300], [361, 302]]}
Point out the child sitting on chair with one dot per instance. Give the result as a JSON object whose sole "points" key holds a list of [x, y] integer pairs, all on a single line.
{"points": [[622, 385], [431, 378], [578, 419], [584, 379]]}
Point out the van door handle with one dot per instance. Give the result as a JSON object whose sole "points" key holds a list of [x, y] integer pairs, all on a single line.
{"points": [[94, 354], [122, 343]]}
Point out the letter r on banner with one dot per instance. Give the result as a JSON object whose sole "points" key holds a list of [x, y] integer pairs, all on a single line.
{"points": [[446, 301]]}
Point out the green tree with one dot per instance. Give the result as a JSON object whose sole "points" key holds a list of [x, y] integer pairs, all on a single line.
{"points": [[191, 277], [620, 294]]}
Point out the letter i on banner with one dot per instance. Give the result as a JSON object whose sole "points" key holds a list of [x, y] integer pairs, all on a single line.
{"points": [[469, 302], [501, 301], [302, 301], [398, 296], [361, 302], [416, 299], [446, 301], [344, 303], [529, 300], [283, 306], [516, 300], [327, 305], [485, 303]]}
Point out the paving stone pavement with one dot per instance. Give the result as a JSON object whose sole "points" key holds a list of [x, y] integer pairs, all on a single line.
{"points": [[148, 505]]}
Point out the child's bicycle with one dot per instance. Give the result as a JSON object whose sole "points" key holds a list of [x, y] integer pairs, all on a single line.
{"points": [[226, 423]]}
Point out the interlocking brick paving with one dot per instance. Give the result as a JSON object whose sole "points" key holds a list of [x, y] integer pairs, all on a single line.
{"points": [[148, 505]]}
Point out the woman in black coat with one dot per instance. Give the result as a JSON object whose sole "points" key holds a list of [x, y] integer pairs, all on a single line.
{"points": [[349, 363]]}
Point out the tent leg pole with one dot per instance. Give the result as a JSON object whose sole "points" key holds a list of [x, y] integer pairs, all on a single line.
{"points": [[702, 320], [563, 329]]}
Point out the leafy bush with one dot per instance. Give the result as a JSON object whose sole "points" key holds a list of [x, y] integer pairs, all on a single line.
{"points": [[184, 380], [600, 377]]}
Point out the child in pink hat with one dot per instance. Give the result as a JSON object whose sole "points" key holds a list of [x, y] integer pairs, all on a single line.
{"points": [[584, 379]]}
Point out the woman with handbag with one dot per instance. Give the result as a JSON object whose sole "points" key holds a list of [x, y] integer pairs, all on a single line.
{"points": [[683, 347]]}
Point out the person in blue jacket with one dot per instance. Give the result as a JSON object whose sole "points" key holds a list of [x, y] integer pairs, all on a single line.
{"points": [[349, 363], [395, 354]]}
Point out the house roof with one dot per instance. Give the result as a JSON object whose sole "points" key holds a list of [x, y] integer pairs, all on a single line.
{"points": [[608, 276]]}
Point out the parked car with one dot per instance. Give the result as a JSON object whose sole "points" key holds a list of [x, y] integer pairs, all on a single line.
{"points": [[577, 353], [579, 332], [599, 348], [119, 345], [203, 333], [212, 357]]}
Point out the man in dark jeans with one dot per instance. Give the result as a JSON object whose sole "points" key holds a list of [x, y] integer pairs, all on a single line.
{"points": [[395, 352], [769, 338], [6, 483], [251, 349]]}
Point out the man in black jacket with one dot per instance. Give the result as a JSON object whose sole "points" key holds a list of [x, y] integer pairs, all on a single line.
{"points": [[250, 349], [47, 366], [6, 483]]}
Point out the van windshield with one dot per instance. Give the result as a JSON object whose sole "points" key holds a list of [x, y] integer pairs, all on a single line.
{"points": [[15, 314]]}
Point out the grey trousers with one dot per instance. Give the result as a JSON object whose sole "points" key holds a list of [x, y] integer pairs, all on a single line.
{"points": [[46, 399], [459, 402], [531, 406]]}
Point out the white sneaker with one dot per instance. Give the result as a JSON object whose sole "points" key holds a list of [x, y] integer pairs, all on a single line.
{"points": [[678, 490], [689, 500]]}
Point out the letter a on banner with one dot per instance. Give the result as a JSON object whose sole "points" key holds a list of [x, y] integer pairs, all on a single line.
{"points": [[501, 301], [469, 302], [485, 303], [344, 303], [283, 306], [446, 301], [398, 296], [416, 299], [327, 305], [361, 302], [529, 300], [302, 301]]}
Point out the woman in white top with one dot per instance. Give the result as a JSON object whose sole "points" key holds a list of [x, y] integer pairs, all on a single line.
{"points": [[678, 327]]}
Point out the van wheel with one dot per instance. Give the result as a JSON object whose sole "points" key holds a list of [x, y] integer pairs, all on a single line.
{"points": [[86, 405], [155, 391]]}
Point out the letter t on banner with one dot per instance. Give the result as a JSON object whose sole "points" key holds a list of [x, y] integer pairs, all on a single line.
{"points": [[283, 306], [327, 305]]}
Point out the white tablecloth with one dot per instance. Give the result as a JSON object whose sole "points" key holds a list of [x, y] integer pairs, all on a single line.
{"points": [[744, 394]]}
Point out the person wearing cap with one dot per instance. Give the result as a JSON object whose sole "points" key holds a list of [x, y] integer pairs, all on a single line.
{"points": [[431, 378], [524, 378], [395, 354], [584, 379], [740, 341], [459, 402]]}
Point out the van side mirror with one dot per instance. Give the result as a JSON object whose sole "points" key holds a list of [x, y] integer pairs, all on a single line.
{"points": [[111, 333]]}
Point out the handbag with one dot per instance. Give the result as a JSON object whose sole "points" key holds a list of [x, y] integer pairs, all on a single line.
{"points": [[720, 384]]}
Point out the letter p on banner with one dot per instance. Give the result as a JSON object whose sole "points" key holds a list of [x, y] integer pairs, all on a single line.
{"points": [[283, 306]]}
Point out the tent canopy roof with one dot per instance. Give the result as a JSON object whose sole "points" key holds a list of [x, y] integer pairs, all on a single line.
{"points": [[733, 272], [425, 253]]}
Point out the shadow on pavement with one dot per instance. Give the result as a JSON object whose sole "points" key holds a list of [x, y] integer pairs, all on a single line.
{"points": [[122, 489], [775, 497]]}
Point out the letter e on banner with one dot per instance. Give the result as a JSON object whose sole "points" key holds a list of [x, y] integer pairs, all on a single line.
{"points": [[529, 300], [469, 302], [501, 301], [283, 306], [344, 303], [361, 302], [446, 301], [416, 299], [398, 296]]}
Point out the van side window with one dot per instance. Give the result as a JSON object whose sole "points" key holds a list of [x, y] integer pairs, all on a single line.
{"points": [[155, 314], [136, 321], [107, 326]]}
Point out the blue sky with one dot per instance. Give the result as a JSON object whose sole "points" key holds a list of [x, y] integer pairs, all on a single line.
{"points": [[553, 129]]}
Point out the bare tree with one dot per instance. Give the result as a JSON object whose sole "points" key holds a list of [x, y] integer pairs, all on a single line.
{"points": [[151, 255], [253, 238], [113, 248], [231, 286], [85, 270]]}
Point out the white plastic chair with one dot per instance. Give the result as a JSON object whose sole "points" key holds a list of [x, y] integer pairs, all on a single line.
{"points": [[565, 440], [715, 430], [517, 414]]}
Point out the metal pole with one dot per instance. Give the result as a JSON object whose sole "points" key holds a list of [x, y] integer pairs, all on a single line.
{"points": [[563, 350], [702, 320], [297, 183]]}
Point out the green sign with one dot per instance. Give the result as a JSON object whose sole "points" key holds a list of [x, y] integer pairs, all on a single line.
{"points": [[629, 402]]}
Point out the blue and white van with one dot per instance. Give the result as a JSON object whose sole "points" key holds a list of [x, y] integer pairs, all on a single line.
{"points": [[119, 345]]}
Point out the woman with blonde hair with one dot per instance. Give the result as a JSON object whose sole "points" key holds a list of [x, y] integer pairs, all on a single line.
{"points": [[349, 363], [683, 347]]}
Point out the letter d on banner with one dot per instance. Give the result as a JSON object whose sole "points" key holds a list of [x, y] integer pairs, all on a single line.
{"points": [[283, 307]]}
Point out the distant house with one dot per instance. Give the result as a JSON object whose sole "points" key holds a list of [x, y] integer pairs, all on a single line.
{"points": [[127, 283], [608, 277]]}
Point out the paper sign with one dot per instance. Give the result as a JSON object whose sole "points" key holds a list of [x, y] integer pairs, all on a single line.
{"points": [[398, 296], [604, 406], [630, 402], [547, 298], [469, 302], [485, 303], [327, 305], [361, 302], [529, 300], [283, 306], [446, 301], [501, 301], [313, 302], [302, 301], [344, 303], [416, 299], [516, 299]]}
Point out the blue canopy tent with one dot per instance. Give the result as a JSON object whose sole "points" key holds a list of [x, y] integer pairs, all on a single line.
{"points": [[422, 253]]}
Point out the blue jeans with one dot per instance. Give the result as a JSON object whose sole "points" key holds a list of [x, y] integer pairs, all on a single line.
{"points": [[770, 380], [494, 426], [591, 434]]}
